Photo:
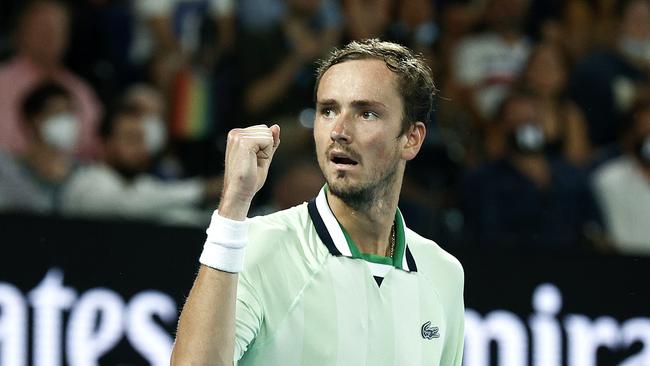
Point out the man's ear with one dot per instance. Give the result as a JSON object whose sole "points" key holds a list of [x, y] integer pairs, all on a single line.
{"points": [[414, 139]]}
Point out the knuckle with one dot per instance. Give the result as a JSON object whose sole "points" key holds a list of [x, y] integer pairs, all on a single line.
{"points": [[233, 133]]}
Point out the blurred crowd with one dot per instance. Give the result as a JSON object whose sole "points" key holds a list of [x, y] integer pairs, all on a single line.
{"points": [[540, 135]]}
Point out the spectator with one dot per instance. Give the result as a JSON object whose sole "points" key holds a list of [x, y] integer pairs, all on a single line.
{"points": [[487, 64], [605, 82], [565, 131], [569, 23], [40, 45], [366, 19], [32, 180], [526, 198], [168, 34], [150, 104], [622, 186], [277, 64], [121, 187]]}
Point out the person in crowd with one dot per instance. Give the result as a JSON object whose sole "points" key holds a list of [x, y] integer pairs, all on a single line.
{"points": [[527, 198], [277, 64], [622, 185], [121, 186], [170, 36], [31, 181], [605, 83], [545, 76], [366, 19], [150, 103], [453, 120], [487, 64], [40, 44]]}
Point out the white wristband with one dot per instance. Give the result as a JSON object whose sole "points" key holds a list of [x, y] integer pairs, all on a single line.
{"points": [[224, 247]]}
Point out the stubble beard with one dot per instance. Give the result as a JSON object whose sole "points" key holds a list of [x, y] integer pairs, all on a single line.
{"points": [[364, 197]]}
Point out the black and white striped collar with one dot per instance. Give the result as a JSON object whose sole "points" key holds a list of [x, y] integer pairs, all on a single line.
{"points": [[335, 239]]}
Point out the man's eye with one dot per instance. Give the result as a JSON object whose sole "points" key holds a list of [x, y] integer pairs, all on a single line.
{"points": [[370, 116], [327, 112]]}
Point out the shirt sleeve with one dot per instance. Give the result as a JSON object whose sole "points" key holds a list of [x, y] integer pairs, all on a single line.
{"points": [[249, 315]]}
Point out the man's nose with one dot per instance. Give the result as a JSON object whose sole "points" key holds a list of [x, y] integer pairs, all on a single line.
{"points": [[341, 129]]}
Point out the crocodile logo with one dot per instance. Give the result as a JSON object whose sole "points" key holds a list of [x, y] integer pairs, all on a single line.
{"points": [[429, 332]]}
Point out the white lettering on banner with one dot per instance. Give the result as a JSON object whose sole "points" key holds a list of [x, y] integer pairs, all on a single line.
{"points": [[545, 329], [153, 343], [49, 299], [13, 330], [584, 336], [637, 330], [86, 342], [502, 327], [99, 319]]}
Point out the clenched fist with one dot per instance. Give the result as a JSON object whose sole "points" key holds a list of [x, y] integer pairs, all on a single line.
{"points": [[248, 156]]}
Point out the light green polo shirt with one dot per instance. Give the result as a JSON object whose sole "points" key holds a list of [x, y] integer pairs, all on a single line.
{"points": [[307, 296]]}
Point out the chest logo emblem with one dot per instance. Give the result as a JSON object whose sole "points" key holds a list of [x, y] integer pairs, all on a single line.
{"points": [[429, 331]]}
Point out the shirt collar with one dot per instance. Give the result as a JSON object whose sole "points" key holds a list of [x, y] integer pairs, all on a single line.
{"points": [[338, 243]]}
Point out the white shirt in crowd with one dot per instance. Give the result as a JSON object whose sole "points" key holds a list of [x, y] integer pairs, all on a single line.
{"points": [[623, 193], [99, 191], [490, 64]]}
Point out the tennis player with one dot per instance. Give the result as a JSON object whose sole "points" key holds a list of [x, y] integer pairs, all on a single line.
{"points": [[340, 280]]}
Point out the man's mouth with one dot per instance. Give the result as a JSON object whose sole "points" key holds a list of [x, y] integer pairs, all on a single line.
{"points": [[341, 158]]}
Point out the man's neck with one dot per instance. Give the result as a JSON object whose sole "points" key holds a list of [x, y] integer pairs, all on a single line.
{"points": [[370, 227]]}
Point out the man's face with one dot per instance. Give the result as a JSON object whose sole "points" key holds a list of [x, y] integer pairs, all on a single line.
{"points": [[126, 149], [357, 128]]}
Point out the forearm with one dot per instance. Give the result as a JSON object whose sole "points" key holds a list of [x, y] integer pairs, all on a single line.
{"points": [[206, 328]]}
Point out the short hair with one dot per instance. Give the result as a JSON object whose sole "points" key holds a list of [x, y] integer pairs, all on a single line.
{"points": [[110, 120], [415, 78], [37, 98]]}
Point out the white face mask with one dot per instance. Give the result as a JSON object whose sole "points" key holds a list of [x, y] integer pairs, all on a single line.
{"points": [[529, 138], [61, 131], [155, 134], [636, 49]]}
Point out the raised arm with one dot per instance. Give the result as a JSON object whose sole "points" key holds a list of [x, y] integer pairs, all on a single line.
{"points": [[206, 329]]}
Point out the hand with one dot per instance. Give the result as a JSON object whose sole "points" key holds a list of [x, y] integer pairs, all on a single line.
{"points": [[248, 156]]}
